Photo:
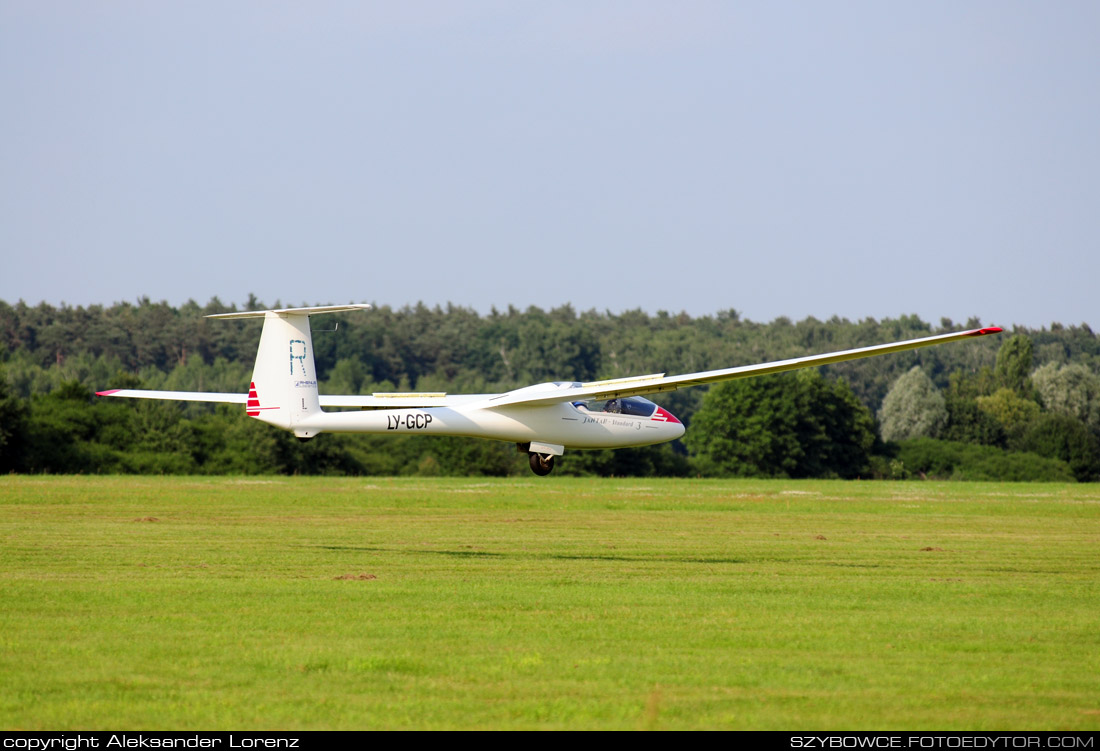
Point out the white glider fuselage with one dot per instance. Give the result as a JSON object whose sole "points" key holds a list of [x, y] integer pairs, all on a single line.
{"points": [[563, 424]]}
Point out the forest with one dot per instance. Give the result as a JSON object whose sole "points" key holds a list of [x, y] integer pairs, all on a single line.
{"points": [[1023, 405]]}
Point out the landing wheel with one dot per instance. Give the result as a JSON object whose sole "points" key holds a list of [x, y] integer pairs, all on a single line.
{"points": [[541, 464]]}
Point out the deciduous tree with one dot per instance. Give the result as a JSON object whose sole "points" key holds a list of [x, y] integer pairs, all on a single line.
{"points": [[913, 407], [1072, 390], [796, 425]]}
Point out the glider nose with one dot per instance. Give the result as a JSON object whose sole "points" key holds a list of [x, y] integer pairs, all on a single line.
{"points": [[671, 422]]}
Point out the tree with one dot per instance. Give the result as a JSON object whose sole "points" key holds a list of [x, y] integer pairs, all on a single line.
{"points": [[1072, 390], [913, 407], [68, 433], [967, 423], [1014, 364], [1059, 436], [13, 424], [345, 377], [964, 385], [796, 425], [1014, 413]]}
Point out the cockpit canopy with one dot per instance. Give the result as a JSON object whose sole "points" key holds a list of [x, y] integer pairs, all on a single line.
{"points": [[627, 405]]}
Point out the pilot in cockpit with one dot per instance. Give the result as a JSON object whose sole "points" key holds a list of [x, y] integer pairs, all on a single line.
{"points": [[627, 405]]}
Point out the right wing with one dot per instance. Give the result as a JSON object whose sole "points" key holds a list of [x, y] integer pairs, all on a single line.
{"points": [[655, 384]]}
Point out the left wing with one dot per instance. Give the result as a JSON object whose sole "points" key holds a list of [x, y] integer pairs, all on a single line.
{"points": [[655, 384], [182, 396], [379, 400]]}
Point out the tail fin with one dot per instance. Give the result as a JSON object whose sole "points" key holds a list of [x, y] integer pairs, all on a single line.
{"points": [[283, 391]]}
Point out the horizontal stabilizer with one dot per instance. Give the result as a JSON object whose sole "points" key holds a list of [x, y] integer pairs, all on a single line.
{"points": [[294, 311]]}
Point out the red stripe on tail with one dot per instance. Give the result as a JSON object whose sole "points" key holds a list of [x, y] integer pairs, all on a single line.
{"points": [[253, 407]]}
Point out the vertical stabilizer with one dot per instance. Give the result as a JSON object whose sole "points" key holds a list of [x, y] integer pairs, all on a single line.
{"points": [[283, 391]]}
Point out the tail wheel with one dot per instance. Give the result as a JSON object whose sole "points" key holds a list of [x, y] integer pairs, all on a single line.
{"points": [[541, 464]]}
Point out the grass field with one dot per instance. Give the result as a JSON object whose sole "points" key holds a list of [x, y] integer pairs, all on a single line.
{"points": [[286, 603]]}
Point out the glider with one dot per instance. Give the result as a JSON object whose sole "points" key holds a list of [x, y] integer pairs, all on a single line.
{"points": [[542, 420]]}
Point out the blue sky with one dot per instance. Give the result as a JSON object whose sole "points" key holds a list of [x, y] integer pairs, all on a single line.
{"points": [[860, 159]]}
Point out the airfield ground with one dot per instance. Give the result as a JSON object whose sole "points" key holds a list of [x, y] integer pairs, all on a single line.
{"points": [[287, 603]]}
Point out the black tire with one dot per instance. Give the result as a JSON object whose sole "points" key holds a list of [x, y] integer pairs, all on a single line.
{"points": [[541, 465]]}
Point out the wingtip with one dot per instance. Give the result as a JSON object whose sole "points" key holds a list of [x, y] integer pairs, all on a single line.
{"points": [[108, 392], [984, 332]]}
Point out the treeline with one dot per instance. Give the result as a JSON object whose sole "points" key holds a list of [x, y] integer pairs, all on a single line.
{"points": [[1044, 418]]}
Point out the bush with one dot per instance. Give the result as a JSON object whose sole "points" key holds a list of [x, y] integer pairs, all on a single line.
{"points": [[960, 461], [1060, 436]]}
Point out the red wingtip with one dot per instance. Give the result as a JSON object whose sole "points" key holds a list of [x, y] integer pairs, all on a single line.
{"points": [[983, 332], [107, 393]]}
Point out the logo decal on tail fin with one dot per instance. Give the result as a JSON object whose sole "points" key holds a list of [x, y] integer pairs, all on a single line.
{"points": [[301, 358]]}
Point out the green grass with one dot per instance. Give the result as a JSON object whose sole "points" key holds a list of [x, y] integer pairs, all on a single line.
{"points": [[556, 603]]}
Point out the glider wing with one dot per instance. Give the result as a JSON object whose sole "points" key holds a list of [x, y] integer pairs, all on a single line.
{"points": [[656, 384], [183, 396], [377, 401]]}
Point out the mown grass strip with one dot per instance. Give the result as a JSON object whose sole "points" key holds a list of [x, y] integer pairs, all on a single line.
{"points": [[562, 603]]}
